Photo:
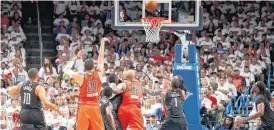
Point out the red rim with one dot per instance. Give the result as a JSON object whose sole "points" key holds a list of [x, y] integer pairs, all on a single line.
{"points": [[147, 19], [155, 21]]}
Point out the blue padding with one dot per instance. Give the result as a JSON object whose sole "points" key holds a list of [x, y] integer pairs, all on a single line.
{"points": [[178, 53], [193, 103], [192, 54]]}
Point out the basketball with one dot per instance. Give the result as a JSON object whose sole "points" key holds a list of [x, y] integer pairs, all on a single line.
{"points": [[151, 5]]}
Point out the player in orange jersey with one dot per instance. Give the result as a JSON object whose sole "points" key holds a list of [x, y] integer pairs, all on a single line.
{"points": [[129, 111], [89, 115]]}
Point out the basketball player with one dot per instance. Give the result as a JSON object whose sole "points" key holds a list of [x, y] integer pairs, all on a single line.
{"points": [[174, 102], [183, 40], [183, 89], [32, 98], [115, 99], [263, 107], [106, 108], [89, 115], [129, 111], [181, 81]]}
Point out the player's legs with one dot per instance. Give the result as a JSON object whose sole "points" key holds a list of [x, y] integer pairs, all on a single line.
{"points": [[136, 121], [27, 126], [123, 114], [32, 119], [95, 118], [174, 124], [183, 123], [82, 122], [32, 127]]}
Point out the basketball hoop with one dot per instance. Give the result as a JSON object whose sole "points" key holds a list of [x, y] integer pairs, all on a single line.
{"points": [[152, 26]]}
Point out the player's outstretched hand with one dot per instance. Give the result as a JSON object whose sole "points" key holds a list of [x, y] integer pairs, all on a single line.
{"points": [[105, 39], [60, 113], [80, 53]]}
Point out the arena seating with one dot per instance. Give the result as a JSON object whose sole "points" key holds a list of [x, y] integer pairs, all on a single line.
{"points": [[236, 48]]}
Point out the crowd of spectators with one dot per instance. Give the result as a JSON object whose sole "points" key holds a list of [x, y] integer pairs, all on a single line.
{"points": [[235, 48], [12, 58]]}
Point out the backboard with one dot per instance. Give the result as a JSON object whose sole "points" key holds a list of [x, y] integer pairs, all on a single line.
{"points": [[181, 15]]}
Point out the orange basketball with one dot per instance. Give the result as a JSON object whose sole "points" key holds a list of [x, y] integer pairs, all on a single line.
{"points": [[151, 5]]}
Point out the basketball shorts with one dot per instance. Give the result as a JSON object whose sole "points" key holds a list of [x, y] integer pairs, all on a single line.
{"points": [[174, 124], [130, 115], [89, 118], [32, 119]]}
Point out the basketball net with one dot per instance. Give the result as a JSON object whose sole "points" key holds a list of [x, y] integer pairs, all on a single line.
{"points": [[152, 26]]}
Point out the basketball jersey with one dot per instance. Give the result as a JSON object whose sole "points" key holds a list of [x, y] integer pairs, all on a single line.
{"points": [[132, 94], [91, 88], [28, 98], [104, 102], [174, 103]]}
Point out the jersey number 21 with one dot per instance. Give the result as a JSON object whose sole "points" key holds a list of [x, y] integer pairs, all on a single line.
{"points": [[92, 87]]}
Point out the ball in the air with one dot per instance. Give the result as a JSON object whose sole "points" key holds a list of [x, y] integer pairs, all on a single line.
{"points": [[151, 5]]}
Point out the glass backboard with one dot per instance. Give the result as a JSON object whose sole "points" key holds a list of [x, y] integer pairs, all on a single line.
{"points": [[181, 15]]}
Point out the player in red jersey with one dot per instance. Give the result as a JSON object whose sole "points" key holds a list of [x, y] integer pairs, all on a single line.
{"points": [[89, 115], [129, 111]]}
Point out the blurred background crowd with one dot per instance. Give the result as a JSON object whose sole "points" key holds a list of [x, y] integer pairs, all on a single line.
{"points": [[235, 48]]}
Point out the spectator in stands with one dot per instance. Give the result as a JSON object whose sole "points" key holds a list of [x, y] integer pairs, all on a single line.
{"points": [[82, 14], [153, 124], [85, 21], [5, 19], [16, 19], [239, 81], [58, 29], [47, 69], [3, 102], [227, 124], [256, 125], [73, 29], [73, 8], [59, 20], [3, 118], [15, 10], [87, 38], [94, 10], [10, 110], [62, 37], [4, 69], [98, 29], [22, 72], [60, 7], [213, 100]]}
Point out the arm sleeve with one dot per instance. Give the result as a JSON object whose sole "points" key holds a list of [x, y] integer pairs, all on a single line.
{"points": [[67, 68]]}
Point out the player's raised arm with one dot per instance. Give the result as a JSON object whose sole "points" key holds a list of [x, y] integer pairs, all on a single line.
{"points": [[41, 93], [151, 92], [15, 90], [67, 69], [101, 57]]}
